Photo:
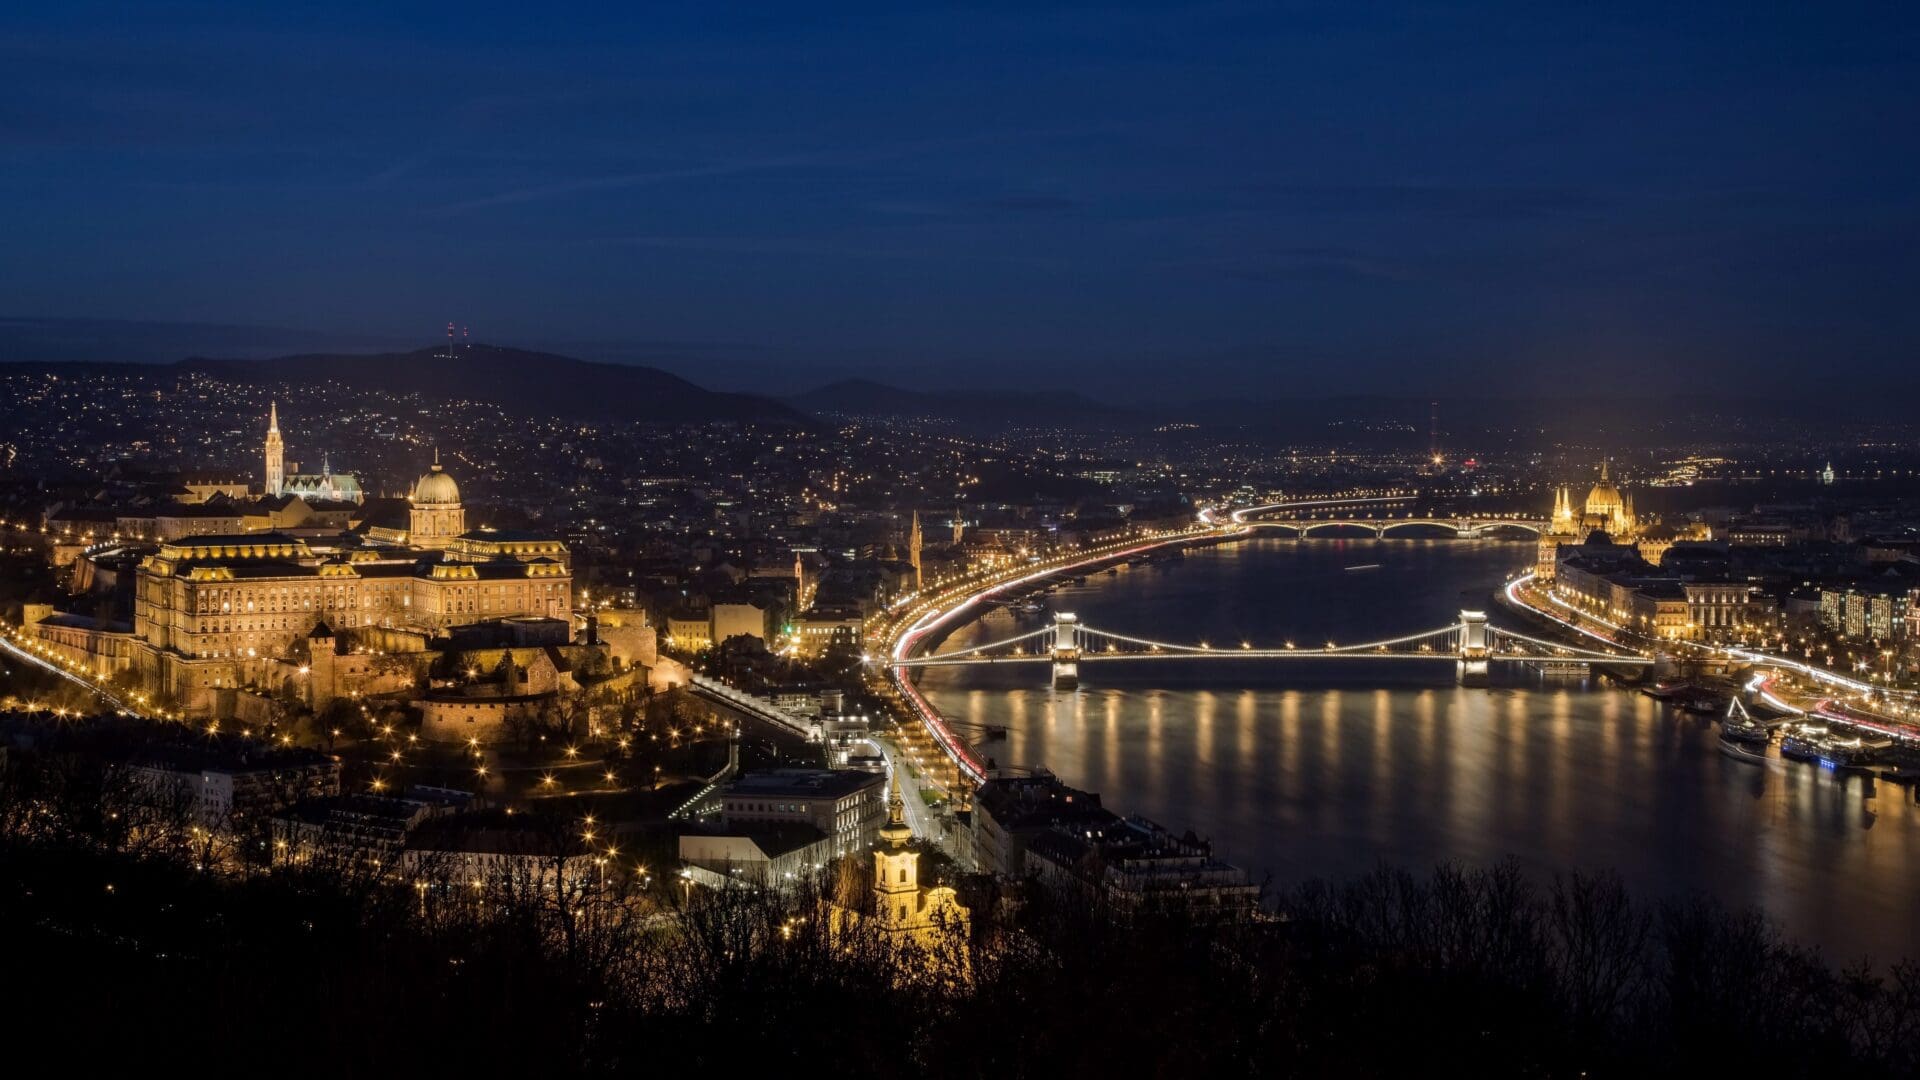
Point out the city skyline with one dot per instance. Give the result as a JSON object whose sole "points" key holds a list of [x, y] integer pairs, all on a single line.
{"points": [[1355, 539]]}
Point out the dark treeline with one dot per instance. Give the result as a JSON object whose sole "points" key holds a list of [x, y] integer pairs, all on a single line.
{"points": [[123, 950]]}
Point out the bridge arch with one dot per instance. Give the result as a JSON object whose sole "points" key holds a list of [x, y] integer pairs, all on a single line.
{"points": [[1448, 525], [1308, 528], [1533, 527]]}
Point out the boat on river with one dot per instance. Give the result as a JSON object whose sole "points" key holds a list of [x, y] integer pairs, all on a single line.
{"points": [[1666, 691], [1703, 703], [1804, 742], [1743, 737]]}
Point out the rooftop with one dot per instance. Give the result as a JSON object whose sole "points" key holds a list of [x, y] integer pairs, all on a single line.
{"points": [[804, 783]]}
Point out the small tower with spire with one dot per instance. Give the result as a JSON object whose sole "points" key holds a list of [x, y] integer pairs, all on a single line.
{"points": [[276, 478], [896, 870], [901, 908]]}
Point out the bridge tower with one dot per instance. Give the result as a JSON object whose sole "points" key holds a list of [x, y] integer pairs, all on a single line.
{"points": [[1475, 646], [1066, 651]]}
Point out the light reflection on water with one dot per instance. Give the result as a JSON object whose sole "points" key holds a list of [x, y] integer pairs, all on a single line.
{"points": [[1302, 770]]}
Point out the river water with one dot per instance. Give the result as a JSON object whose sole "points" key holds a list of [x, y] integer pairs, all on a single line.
{"points": [[1304, 769]]}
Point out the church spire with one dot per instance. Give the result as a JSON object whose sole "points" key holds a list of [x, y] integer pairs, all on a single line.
{"points": [[914, 541], [895, 832], [276, 453]]}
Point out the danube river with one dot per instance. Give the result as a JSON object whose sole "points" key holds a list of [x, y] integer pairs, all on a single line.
{"points": [[1302, 769]]}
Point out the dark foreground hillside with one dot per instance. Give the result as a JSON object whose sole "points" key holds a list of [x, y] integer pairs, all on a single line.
{"points": [[118, 959]]}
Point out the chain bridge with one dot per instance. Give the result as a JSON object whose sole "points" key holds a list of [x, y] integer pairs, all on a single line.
{"points": [[1470, 644]]}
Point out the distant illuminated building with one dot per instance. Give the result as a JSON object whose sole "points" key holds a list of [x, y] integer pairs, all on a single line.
{"points": [[1606, 510], [1826, 474], [323, 486]]}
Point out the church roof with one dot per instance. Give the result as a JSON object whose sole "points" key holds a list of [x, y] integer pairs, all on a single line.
{"points": [[342, 483]]}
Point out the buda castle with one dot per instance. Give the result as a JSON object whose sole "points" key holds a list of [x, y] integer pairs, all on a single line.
{"points": [[271, 612]]}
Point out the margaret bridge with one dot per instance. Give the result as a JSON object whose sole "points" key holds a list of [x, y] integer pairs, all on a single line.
{"points": [[1471, 644]]}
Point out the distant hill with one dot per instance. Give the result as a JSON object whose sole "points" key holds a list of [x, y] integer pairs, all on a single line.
{"points": [[532, 382], [974, 408]]}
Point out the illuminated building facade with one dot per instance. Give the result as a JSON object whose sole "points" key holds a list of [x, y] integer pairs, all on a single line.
{"points": [[240, 609], [1606, 510], [900, 905], [323, 485]]}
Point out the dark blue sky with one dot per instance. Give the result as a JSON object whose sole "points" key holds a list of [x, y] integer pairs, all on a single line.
{"points": [[1143, 199]]}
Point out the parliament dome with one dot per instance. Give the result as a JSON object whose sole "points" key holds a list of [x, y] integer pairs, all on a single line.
{"points": [[435, 488], [1604, 499]]}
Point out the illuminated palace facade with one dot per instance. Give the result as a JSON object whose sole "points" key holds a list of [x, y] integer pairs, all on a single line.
{"points": [[214, 612]]}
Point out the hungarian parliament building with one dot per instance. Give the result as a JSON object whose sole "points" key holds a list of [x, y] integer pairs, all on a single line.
{"points": [[303, 612]]}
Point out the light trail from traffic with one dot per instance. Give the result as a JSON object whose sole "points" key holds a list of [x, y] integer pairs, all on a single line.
{"points": [[91, 687]]}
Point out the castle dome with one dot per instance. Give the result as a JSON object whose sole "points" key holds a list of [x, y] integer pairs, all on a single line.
{"points": [[435, 488]]}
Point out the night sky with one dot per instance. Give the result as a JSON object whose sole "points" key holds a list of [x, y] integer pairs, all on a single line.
{"points": [[1139, 200]]}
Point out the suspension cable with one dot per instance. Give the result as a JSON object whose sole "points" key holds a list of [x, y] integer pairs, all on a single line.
{"points": [[1366, 647], [1564, 649], [995, 644]]}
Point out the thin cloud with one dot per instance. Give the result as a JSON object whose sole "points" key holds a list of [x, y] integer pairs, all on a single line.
{"points": [[820, 158]]}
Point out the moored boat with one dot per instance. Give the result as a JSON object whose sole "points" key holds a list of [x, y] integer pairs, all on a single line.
{"points": [[1703, 704], [1847, 754], [1804, 743], [1743, 737]]}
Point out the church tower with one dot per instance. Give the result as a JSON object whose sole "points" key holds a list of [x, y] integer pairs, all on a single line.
{"points": [[276, 453], [913, 550], [896, 870]]}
